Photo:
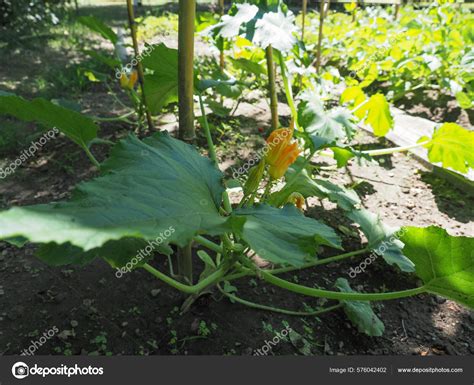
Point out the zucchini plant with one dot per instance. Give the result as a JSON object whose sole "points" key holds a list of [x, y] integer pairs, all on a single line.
{"points": [[161, 193]]}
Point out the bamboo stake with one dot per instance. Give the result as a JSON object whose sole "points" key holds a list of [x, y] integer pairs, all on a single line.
{"points": [[303, 11], [320, 36], [221, 54], [397, 9], [187, 13], [272, 88], [141, 78]]}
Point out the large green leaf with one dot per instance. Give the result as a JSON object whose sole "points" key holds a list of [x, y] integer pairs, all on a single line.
{"points": [[116, 253], [147, 187], [299, 179], [324, 128], [161, 87], [160, 91], [98, 26], [382, 239], [360, 312], [445, 263], [162, 60], [282, 235], [378, 114], [451, 145], [74, 125]]}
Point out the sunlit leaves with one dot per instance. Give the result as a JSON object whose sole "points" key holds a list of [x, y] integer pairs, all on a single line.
{"points": [[452, 146], [378, 114], [445, 263], [263, 25], [324, 128], [375, 110], [275, 29], [230, 26], [464, 100]]}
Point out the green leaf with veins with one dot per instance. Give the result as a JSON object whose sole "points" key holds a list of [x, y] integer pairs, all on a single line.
{"points": [[161, 87], [96, 25], [378, 114], [325, 128], [382, 238], [276, 29], [360, 312], [161, 60], [282, 235], [445, 263], [116, 253], [309, 187], [452, 146], [77, 127], [146, 187]]}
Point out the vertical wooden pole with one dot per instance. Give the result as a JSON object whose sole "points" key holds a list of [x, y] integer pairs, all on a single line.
{"points": [[320, 36], [187, 13], [221, 53], [141, 77], [303, 11], [272, 88]]}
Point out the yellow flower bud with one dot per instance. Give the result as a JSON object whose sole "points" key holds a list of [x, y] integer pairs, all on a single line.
{"points": [[282, 152], [297, 199], [255, 176]]}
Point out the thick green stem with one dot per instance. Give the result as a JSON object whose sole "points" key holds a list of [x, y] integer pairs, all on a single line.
{"points": [[91, 156], [122, 117], [211, 279], [277, 309], [387, 151], [272, 88], [141, 78], [320, 35], [185, 263], [187, 11], [209, 244], [207, 131], [318, 262], [320, 293], [288, 92]]}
